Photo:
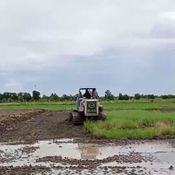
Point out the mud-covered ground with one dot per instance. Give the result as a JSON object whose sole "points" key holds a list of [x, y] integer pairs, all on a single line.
{"points": [[38, 126], [41, 142]]}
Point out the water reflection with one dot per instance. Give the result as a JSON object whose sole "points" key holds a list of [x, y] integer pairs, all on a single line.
{"points": [[89, 151]]}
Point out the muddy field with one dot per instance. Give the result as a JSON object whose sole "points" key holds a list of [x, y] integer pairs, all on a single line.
{"points": [[41, 142], [38, 125]]}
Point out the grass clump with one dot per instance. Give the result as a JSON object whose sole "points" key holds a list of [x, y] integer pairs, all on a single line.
{"points": [[133, 124]]}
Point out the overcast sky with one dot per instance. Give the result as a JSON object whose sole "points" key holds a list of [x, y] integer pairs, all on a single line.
{"points": [[125, 46]]}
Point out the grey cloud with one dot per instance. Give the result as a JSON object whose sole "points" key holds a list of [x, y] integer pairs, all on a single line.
{"points": [[105, 43], [166, 30]]}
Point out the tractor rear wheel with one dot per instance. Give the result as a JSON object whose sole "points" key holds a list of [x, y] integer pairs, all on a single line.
{"points": [[102, 116], [78, 118]]}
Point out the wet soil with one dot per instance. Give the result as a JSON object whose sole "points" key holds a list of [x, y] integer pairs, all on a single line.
{"points": [[23, 170], [10, 117], [33, 142], [39, 126], [64, 156], [131, 157]]}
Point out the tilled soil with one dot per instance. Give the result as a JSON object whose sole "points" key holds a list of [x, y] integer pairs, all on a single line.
{"points": [[10, 117], [40, 126]]}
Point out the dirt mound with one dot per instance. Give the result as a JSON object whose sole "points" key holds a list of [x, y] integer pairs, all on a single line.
{"points": [[9, 117], [38, 125]]}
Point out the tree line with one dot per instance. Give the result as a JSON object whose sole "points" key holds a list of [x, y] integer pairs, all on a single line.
{"points": [[36, 96], [137, 96]]}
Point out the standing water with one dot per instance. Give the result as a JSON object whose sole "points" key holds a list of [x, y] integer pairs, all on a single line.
{"points": [[149, 157]]}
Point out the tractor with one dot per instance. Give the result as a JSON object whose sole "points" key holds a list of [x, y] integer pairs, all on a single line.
{"points": [[87, 107]]}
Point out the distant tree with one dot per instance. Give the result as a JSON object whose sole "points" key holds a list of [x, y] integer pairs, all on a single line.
{"points": [[36, 95], [1, 97], [20, 96], [27, 96], [171, 96], [120, 96], [6, 95], [45, 98], [54, 97], [64, 97], [164, 96], [72, 97], [13, 96], [137, 96], [9, 96], [109, 95], [167, 96], [151, 96], [24, 96], [123, 97]]}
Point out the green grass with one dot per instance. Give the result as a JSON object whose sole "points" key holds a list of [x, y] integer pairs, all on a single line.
{"points": [[108, 105], [126, 119], [133, 124], [60, 106], [138, 105]]}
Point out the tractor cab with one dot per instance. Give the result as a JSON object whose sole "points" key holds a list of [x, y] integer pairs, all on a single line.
{"points": [[89, 93], [87, 101]]}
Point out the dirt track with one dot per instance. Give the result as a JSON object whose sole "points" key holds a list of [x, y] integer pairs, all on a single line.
{"points": [[45, 125]]}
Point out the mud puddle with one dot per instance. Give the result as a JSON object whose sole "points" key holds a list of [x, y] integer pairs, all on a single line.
{"points": [[66, 156]]}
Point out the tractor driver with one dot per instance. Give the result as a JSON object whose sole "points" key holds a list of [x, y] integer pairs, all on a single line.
{"points": [[94, 94], [87, 94], [79, 97]]}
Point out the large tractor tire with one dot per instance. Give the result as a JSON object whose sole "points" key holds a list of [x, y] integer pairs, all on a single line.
{"points": [[102, 116], [76, 118]]}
